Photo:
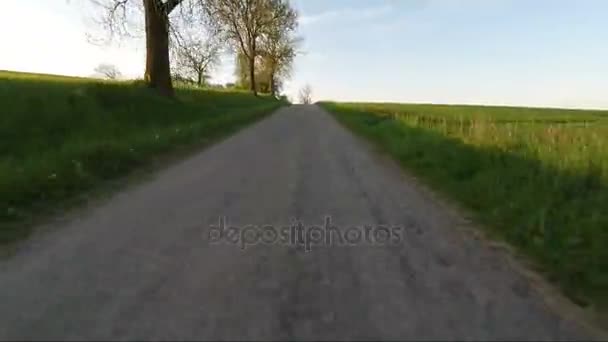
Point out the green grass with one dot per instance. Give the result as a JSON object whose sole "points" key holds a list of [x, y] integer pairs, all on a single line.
{"points": [[61, 137], [451, 113], [537, 178]]}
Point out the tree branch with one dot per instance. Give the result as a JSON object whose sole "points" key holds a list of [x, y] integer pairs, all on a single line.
{"points": [[170, 5]]}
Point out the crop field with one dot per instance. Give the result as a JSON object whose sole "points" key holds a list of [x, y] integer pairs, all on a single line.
{"points": [[61, 136], [537, 178]]}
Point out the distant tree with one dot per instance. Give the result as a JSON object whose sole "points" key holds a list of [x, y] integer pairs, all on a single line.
{"points": [[243, 77], [242, 74], [241, 71], [244, 22], [178, 79], [215, 86], [306, 95], [195, 49], [108, 71]]}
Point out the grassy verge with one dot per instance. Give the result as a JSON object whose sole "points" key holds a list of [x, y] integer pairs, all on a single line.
{"points": [[535, 177], [61, 137]]}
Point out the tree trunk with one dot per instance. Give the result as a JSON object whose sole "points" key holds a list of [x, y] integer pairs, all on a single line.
{"points": [[158, 72], [272, 85], [252, 76], [199, 82], [252, 54]]}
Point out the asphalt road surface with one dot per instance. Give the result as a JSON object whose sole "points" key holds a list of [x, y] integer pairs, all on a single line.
{"points": [[152, 262]]}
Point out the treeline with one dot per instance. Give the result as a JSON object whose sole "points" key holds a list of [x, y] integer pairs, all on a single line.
{"points": [[185, 39]]}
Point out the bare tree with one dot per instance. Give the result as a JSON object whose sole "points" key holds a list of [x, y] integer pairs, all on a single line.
{"points": [[157, 27], [108, 71], [306, 95], [244, 22], [195, 49]]}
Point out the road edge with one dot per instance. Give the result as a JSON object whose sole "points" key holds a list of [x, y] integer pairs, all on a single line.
{"points": [[47, 223], [551, 295]]}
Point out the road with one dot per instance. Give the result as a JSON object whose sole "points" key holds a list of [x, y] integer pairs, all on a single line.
{"points": [[148, 263]]}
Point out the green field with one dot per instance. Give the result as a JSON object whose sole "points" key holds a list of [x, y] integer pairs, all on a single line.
{"points": [[535, 177], [61, 136]]}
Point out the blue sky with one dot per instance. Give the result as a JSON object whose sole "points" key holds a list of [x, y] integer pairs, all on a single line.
{"points": [[515, 52]]}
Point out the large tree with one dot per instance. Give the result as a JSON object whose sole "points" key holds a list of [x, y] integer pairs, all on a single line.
{"points": [[157, 28], [158, 67], [245, 22]]}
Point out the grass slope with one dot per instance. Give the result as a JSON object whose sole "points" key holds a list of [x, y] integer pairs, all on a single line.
{"points": [[536, 177], [63, 136]]}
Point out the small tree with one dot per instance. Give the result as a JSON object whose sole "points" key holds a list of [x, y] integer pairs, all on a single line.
{"points": [[306, 95], [195, 49], [108, 71]]}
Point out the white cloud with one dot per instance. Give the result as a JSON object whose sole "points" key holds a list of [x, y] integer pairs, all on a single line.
{"points": [[346, 14]]}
